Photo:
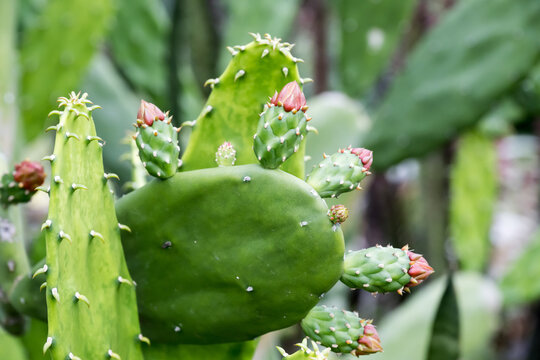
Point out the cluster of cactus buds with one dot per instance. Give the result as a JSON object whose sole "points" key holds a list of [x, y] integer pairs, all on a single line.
{"points": [[338, 214], [305, 353], [157, 141], [385, 269], [282, 126], [341, 172], [226, 154], [21, 184]]}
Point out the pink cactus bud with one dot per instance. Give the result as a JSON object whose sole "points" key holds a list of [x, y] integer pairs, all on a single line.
{"points": [[290, 97], [338, 214], [369, 343], [365, 155], [419, 270], [29, 175], [149, 112]]}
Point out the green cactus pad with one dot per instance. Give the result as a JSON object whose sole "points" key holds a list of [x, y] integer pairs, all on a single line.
{"points": [[278, 135], [377, 269], [337, 329], [231, 113], [240, 251], [336, 174], [91, 305], [11, 193], [158, 148]]}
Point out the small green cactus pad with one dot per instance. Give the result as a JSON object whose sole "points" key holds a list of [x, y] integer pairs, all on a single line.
{"points": [[337, 329], [226, 154], [278, 135], [91, 305], [158, 149], [11, 193], [240, 251], [377, 269], [231, 113], [338, 173], [157, 141]]}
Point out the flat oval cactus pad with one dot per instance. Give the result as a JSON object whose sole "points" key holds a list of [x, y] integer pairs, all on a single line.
{"points": [[240, 251]]}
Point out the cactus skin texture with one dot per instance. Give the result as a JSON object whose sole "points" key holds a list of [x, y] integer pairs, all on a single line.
{"points": [[282, 127], [91, 305], [384, 269], [216, 248], [157, 141], [342, 331], [305, 353], [232, 111], [341, 172], [20, 186]]}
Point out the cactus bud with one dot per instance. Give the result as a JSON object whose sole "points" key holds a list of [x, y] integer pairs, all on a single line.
{"points": [[365, 156], [290, 97], [29, 175], [369, 343], [338, 214], [419, 270], [157, 141], [149, 112], [226, 154]]}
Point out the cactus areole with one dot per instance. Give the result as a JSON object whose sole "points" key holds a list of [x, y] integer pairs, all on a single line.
{"points": [[227, 277]]}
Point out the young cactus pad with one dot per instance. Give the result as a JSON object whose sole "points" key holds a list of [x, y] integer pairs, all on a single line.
{"points": [[157, 141], [231, 113], [239, 251], [384, 269], [341, 172], [91, 305], [282, 127], [342, 331]]}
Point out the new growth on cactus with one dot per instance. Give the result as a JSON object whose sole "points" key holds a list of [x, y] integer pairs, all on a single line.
{"points": [[21, 184], [226, 154], [157, 141], [282, 127]]}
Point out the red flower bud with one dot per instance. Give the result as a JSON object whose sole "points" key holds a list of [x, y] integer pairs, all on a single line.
{"points": [[365, 155], [290, 97], [419, 270], [369, 343], [149, 112], [29, 175]]}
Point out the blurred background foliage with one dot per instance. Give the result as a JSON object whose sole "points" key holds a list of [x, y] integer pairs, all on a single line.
{"points": [[445, 92]]}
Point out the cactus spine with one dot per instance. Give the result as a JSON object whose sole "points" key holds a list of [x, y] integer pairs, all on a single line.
{"points": [[91, 305]]}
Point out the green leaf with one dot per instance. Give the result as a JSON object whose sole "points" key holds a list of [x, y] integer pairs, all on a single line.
{"points": [[444, 343], [11, 347], [369, 33], [139, 45], [473, 190], [520, 284], [477, 53], [233, 351], [55, 53]]}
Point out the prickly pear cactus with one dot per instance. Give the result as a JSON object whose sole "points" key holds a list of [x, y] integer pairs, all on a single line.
{"points": [[91, 306], [384, 269], [305, 353], [231, 113], [218, 243], [341, 172], [342, 331], [157, 141], [20, 186], [282, 127]]}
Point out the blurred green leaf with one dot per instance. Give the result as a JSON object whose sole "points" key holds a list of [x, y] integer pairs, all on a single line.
{"points": [[407, 329], [139, 41], [262, 16], [520, 284], [114, 120], [444, 344], [369, 32], [498, 121], [11, 348], [477, 53], [528, 93], [473, 194], [55, 53]]}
